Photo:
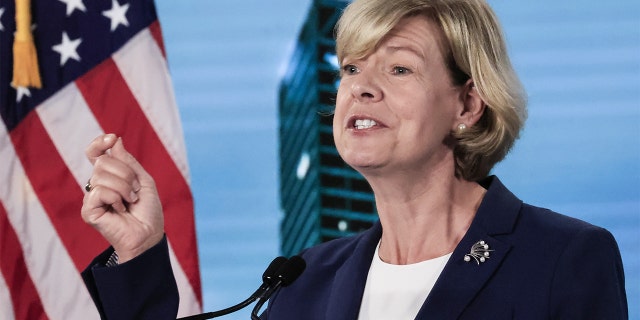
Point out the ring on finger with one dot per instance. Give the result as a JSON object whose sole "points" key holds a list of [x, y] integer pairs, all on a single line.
{"points": [[88, 186]]}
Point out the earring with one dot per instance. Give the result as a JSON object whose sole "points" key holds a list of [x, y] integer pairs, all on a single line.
{"points": [[462, 127]]}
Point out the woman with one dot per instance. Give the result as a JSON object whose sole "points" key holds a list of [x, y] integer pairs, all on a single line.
{"points": [[427, 104]]}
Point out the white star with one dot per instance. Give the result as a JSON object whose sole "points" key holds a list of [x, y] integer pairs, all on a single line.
{"points": [[21, 92], [67, 49], [1, 12], [74, 4], [117, 14]]}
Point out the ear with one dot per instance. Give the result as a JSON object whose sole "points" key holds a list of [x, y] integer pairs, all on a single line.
{"points": [[472, 106]]}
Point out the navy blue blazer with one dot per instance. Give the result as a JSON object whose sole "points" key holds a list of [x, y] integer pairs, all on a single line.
{"points": [[543, 266]]}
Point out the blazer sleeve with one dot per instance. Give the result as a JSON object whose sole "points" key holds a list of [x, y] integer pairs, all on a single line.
{"points": [[142, 288], [589, 279]]}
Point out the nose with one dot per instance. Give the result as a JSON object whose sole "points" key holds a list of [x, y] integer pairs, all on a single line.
{"points": [[365, 89]]}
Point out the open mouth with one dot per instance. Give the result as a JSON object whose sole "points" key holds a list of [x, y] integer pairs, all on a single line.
{"points": [[360, 124]]}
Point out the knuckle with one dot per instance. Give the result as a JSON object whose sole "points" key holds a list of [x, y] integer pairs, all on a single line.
{"points": [[130, 176], [99, 160]]}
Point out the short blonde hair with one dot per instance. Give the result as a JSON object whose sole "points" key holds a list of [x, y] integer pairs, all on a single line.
{"points": [[477, 51]]}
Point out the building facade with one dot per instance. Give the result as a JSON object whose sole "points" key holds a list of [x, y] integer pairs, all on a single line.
{"points": [[322, 198]]}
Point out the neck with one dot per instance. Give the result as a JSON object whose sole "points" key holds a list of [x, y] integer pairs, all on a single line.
{"points": [[424, 217]]}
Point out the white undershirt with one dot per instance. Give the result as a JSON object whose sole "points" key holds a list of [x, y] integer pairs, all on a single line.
{"points": [[398, 291]]}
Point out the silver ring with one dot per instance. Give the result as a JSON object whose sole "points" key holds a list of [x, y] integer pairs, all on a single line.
{"points": [[88, 186]]}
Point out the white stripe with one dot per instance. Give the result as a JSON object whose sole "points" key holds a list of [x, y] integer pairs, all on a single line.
{"points": [[54, 275], [188, 302], [145, 71], [6, 313], [70, 134]]}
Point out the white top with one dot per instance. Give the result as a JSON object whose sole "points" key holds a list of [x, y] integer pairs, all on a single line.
{"points": [[398, 291]]}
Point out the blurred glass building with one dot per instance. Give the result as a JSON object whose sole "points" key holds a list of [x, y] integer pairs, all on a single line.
{"points": [[322, 197]]}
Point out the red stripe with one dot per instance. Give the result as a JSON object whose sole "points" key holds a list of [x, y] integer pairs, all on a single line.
{"points": [[156, 33], [26, 302], [59, 193], [117, 111]]}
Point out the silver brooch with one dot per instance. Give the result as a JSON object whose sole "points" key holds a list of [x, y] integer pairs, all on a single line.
{"points": [[479, 252]]}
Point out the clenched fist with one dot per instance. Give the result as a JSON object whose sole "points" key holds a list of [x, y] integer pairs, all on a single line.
{"points": [[122, 202]]}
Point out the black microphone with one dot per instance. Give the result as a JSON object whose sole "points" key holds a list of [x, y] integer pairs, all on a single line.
{"points": [[269, 277], [286, 274]]}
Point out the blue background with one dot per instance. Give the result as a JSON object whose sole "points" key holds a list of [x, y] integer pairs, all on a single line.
{"points": [[579, 153]]}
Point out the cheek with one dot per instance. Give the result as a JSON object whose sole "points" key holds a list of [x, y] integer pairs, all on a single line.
{"points": [[340, 109], [410, 107], [336, 129], [342, 95], [422, 116]]}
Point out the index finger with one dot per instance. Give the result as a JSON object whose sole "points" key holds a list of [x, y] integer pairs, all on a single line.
{"points": [[100, 146]]}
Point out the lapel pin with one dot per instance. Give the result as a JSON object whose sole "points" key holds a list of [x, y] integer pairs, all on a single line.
{"points": [[479, 252]]}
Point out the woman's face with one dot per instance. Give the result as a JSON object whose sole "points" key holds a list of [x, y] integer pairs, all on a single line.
{"points": [[396, 107]]}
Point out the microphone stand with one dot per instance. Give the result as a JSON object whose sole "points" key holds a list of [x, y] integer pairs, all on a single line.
{"points": [[214, 314], [280, 273], [265, 296]]}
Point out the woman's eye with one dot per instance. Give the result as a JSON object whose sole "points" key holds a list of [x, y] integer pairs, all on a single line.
{"points": [[349, 69], [401, 70]]}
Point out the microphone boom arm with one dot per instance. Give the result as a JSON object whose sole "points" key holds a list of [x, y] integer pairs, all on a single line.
{"points": [[280, 273]]}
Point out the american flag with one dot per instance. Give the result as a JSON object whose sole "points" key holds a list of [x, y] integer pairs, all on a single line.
{"points": [[103, 69]]}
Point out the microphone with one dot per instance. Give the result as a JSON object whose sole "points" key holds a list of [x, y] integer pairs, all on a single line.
{"points": [[280, 272], [286, 274]]}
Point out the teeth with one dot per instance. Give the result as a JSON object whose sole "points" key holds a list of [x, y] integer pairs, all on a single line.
{"points": [[364, 123]]}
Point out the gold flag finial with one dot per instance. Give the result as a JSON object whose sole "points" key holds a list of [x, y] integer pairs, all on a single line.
{"points": [[25, 58]]}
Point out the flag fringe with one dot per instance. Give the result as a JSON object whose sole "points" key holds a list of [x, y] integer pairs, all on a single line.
{"points": [[25, 59]]}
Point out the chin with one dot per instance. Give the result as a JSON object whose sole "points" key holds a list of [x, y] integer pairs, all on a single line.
{"points": [[360, 162], [360, 157]]}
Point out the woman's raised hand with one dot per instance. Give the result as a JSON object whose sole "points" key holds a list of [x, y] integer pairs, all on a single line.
{"points": [[122, 202]]}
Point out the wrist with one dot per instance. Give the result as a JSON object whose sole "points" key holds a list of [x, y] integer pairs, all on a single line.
{"points": [[126, 254]]}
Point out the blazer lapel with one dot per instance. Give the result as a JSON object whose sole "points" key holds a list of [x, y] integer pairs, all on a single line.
{"points": [[348, 284], [460, 281]]}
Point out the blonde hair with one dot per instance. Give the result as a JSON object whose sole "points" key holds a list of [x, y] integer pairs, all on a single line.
{"points": [[477, 51]]}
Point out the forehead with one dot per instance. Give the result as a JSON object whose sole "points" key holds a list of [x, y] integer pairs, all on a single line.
{"points": [[418, 34]]}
